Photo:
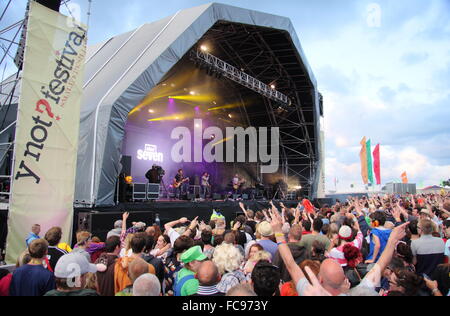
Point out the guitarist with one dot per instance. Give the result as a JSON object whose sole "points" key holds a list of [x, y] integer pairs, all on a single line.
{"points": [[180, 183], [205, 185], [237, 183]]}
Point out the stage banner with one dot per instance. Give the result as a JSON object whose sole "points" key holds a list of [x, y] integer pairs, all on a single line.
{"points": [[363, 157], [47, 127], [369, 161], [377, 164]]}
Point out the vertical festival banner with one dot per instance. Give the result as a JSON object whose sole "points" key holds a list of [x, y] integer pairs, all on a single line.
{"points": [[377, 164], [369, 162], [363, 157], [47, 127]]}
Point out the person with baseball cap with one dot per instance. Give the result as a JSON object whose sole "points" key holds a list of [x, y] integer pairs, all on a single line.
{"points": [[185, 282], [70, 273], [264, 230], [117, 229]]}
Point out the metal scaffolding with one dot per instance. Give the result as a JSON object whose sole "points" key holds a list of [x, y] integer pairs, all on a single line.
{"points": [[224, 69], [267, 55]]}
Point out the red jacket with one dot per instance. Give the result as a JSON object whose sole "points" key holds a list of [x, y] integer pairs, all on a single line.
{"points": [[4, 285]]}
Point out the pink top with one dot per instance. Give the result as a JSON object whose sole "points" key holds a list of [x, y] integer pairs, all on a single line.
{"points": [[338, 252]]}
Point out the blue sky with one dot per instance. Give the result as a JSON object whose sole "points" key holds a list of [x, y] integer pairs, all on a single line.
{"points": [[388, 81]]}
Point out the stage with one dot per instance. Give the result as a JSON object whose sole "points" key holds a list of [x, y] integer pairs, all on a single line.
{"points": [[220, 90]]}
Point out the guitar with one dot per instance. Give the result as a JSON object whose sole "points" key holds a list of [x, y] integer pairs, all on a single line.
{"points": [[205, 182], [238, 185], [176, 184]]}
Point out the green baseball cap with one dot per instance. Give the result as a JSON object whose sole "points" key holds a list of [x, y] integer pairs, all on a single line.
{"points": [[193, 254]]}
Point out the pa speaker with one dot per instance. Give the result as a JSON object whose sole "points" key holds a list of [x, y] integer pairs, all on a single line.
{"points": [[126, 165], [51, 4]]}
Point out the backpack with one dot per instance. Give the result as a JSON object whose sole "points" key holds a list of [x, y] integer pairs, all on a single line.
{"points": [[180, 283]]}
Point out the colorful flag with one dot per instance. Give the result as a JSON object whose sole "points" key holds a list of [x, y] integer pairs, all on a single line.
{"points": [[369, 161], [404, 177], [363, 157], [377, 164], [308, 206]]}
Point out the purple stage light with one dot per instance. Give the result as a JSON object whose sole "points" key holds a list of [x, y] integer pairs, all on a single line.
{"points": [[171, 106]]}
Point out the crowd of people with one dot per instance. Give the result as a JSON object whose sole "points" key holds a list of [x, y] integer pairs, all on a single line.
{"points": [[370, 246]]}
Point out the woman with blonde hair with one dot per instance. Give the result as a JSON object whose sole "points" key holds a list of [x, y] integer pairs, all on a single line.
{"points": [[220, 227], [228, 260], [126, 251], [254, 259]]}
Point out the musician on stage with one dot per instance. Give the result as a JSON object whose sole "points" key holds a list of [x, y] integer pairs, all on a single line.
{"points": [[237, 184], [205, 186], [181, 184]]}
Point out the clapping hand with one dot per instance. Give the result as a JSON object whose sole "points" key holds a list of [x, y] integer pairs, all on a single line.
{"points": [[194, 223], [183, 220], [275, 221]]}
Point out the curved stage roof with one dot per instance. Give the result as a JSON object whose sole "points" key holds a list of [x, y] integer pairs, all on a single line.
{"points": [[121, 71]]}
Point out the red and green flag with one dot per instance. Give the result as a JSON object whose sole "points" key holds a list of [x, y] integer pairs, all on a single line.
{"points": [[377, 164], [369, 162]]}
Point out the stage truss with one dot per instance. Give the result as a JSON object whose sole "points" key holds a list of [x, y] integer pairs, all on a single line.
{"points": [[270, 56]]}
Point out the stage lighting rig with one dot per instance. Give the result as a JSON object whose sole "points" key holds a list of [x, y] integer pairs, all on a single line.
{"points": [[219, 68]]}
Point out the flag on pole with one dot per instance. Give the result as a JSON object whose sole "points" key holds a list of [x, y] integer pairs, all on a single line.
{"points": [[404, 177], [369, 161], [377, 164], [363, 157]]}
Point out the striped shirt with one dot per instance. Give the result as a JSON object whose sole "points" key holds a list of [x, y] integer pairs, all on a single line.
{"points": [[208, 291], [429, 252], [338, 252]]}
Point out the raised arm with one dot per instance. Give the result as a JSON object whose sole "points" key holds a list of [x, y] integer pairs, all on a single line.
{"points": [[124, 221], [277, 225], [398, 233], [170, 225], [191, 227]]}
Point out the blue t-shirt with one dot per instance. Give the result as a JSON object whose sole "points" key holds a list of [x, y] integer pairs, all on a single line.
{"points": [[31, 237], [31, 280], [269, 246], [383, 236]]}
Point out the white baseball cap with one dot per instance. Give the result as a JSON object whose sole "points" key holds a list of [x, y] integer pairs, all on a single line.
{"points": [[73, 265]]}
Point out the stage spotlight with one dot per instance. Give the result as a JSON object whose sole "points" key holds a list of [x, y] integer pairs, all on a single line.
{"points": [[214, 102], [230, 116], [151, 111], [273, 86], [204, 48], [172, 85], [192, 93]]}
